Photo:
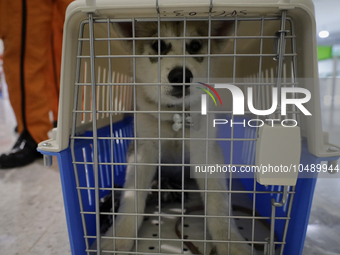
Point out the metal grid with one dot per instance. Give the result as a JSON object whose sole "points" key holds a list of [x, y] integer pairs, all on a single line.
{"points": [[106, 94]]}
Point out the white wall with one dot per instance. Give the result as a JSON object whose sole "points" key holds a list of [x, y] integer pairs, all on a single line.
{"points": [[326, 68]]}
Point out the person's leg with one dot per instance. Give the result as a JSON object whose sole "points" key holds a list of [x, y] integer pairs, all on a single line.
{"points": [[11, 32], [59, 10], [26, 34], [55, 66], [39, 30]]}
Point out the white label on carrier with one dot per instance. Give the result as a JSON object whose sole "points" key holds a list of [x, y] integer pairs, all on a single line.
{"points": [[278, 150]]}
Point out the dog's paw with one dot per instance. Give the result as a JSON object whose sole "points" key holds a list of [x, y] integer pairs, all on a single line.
{"points": [[120, 246], [241, 249], [124, 244], [235, 249]]}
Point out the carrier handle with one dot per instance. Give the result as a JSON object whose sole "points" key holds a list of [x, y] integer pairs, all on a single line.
{"points": [[93, 3], [90, 3]]}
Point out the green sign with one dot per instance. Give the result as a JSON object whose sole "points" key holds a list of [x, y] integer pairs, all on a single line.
{"points": [[324, 52]]}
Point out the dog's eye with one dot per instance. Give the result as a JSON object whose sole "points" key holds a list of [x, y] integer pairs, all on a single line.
{"points": [[154, 46], [194, 46]]}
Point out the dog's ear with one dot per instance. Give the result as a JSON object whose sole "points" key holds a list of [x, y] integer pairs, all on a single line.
{"points": [[222, 28], [142, 29], [123, 29]]}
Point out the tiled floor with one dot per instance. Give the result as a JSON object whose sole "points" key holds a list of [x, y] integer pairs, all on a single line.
{"points": [[324, 224], [32, 219]]}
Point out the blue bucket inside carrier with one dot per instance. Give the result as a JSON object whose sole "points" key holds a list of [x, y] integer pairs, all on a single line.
{"points": [[244, 154]]}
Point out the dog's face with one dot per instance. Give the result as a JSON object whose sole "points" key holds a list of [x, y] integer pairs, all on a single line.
{"points": [[174, 70]]}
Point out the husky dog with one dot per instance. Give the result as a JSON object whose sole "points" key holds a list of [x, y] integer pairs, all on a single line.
{"points": [[172, 96]]}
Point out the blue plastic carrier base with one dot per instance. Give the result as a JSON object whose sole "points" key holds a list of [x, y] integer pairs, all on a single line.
{"points": [[301, 206]]}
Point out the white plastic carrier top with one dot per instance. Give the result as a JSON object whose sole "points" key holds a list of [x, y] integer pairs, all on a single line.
{"points": [[300, 11]]}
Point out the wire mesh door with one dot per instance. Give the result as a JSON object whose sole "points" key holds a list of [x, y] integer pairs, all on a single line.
{"points": [[146, 69]]}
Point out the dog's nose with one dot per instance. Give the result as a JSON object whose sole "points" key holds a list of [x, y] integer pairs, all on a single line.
{"points": [[176, 76]]}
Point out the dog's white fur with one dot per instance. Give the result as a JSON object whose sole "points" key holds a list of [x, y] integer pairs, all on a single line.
{"points": [[171, 150]]}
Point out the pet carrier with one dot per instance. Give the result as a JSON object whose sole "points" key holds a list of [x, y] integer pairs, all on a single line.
{"points": [[118, 52]]}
